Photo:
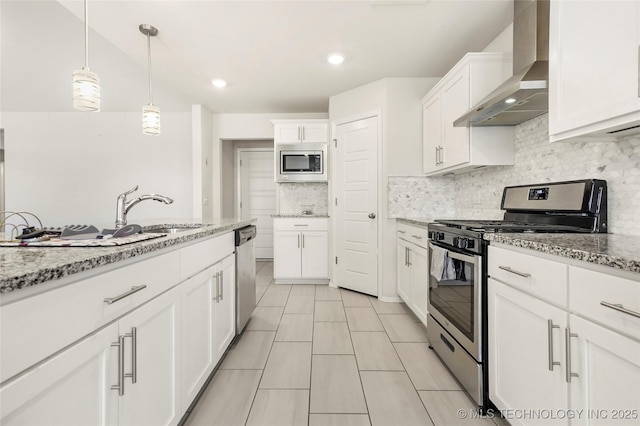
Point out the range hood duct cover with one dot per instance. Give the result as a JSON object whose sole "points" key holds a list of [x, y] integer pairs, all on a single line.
{"points": [[527, 90]]}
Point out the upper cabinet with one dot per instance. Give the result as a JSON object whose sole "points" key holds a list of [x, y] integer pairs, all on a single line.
{"points": [[296, 131], [449, 149], [593, 69]]}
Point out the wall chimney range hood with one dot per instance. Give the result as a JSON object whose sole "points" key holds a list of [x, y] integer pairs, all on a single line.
{"points": [[524, 95]]}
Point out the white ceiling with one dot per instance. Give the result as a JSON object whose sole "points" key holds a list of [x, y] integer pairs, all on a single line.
{"points": [[271, 53]]}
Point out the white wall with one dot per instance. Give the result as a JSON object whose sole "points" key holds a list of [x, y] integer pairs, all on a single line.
{"points": [[68, 168]]}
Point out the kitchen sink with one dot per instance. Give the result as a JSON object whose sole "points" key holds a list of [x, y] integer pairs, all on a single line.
{"points": [[172, 229]]}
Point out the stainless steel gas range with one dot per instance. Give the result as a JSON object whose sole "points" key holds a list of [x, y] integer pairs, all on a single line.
{"points": [[456, 325]]}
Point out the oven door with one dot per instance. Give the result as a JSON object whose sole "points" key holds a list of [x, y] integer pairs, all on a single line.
{"points": [[455, 296]]}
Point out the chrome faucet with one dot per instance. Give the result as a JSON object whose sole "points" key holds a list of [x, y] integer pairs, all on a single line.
{"points": [[123, 206]]}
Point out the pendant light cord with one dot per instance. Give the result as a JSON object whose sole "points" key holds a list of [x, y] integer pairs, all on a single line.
{"points": [[149, 56], [86, 34]]}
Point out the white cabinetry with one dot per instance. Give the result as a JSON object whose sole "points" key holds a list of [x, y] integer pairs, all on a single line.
{"points": [[413, 268], [300, 250], [550, 352], [123, 347], [295, 131], [208, 323], [593, 69], [448, 149]]}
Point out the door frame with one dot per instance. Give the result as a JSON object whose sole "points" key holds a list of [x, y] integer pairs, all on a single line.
{"points": [[377, 113]]}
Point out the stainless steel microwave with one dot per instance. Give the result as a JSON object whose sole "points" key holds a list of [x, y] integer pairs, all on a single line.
{"points": [[303, 162]]}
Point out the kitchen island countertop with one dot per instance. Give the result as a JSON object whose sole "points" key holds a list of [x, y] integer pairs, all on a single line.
{"points": [[613, 250], [24, 267]]}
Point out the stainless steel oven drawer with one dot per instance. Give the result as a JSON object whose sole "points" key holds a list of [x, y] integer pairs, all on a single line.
{"points": [[462, 365]]}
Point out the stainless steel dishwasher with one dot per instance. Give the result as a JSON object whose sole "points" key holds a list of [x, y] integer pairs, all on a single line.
{"points": [[245, 276]]}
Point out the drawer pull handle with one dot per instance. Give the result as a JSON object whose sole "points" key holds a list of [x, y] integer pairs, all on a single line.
{"points": [[401, 232], [417, 236], [135, 289], [551, 326], [303, 224], [618, 307], [513, 271]]}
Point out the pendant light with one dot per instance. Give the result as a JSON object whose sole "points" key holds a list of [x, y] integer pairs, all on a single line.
{"points": [[86, 84], [150, 112]]}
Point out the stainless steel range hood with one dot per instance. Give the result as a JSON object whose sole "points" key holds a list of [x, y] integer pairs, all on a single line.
{"points": [[524, 95]]}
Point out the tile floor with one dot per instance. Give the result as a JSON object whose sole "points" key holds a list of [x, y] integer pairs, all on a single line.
{"points": [[320, 356]]}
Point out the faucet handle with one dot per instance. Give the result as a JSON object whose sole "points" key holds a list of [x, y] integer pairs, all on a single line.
{"points": [[132, 190]]}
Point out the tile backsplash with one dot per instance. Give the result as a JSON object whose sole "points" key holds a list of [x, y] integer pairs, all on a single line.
{"points": [[296, 196], [477, 195]]}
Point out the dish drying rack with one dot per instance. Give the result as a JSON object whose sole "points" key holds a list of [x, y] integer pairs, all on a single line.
{"points": [[21, 222]]}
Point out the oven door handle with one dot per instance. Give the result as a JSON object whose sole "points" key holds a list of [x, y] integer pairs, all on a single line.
{"points": [[459, 256]]}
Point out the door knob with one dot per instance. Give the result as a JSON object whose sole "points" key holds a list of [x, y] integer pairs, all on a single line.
{"points": [[372, 215]]}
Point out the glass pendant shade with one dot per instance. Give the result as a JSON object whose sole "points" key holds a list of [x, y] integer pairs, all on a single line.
{"points": [[86, 90], [151, 120]]}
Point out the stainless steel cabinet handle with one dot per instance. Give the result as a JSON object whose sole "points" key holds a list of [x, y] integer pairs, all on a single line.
{"points": [[513, 271], [299, 134], [409, 257], [417, 237], [135, 289], [217, 298], [406, 257], [550, 328], [303, 135], [618, 307], [567, 341], [401, 232], [120, 386], [437, 151], [302, 240], [298, 240], [301, 224], [441, 156], [134, 354], [221, 295]]}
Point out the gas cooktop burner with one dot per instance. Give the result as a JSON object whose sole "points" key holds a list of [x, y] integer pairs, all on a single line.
{"points": [[508, 226]]}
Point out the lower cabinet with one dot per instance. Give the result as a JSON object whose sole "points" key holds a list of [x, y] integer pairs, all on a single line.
{"points": [[565, 361], [208, 324], [146, 366], [526, 364], [301, 250], [413, 269]]}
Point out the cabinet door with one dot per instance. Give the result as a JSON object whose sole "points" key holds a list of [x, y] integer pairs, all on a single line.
{"points": [[73, 387], [608, 366], [316, 133], [153, 399], [315, 254], [519, 353], [403, 271], [287, 260], [419, 259], [287, 133], [455, 102], [197, 332], [593, 69], [224, 322], [431, 133]]}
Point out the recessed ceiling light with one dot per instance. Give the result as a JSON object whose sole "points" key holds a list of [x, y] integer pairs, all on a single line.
{"points": [[509, 101], [335, 59], [219, 83]]}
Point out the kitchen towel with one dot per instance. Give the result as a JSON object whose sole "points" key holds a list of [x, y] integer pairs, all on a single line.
{"points": [[438, 260]]}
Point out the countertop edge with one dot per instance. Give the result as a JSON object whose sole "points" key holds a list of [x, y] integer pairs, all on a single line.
{"points": [[108, 256]]}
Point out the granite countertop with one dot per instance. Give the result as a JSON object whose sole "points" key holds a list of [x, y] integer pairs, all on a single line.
{"points": [[22, 267], [276, 216], [422, 222], [613, 250]]}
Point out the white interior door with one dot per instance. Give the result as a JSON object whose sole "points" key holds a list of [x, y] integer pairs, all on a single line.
{"points": [[356, 174], [257, 191]]}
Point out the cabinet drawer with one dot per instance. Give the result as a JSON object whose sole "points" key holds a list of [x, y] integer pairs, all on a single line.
{"points": [[36, 327], [540, 277], [414, 234], [196, 257], [301, 224], [587, 289]]}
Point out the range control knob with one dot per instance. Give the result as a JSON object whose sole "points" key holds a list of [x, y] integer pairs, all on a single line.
{"points": [[436, 236], [463, 243]]}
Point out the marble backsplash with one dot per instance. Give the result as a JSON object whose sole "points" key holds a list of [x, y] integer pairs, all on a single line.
{"points": [[477, 195], [296, 196]]}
